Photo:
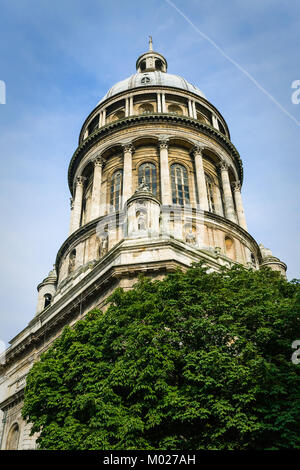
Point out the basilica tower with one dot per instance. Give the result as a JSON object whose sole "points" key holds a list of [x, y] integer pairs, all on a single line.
{"points": [[155, 185]]}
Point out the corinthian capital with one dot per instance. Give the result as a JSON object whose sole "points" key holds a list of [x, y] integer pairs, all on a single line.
{"points": [[236, 186], [98, 161], [163, 143], [80, 180], [197, 150], [128, 148], [223, 166]]}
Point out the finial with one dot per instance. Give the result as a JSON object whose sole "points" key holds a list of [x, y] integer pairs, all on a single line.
{"points": [[150, 44]]}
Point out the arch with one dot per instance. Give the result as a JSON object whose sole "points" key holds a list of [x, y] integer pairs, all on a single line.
{"points": [[116, 187], [143, 65], [175, 109], [229, 247], [94, 124], [147, 172], [13, 437], [48, 299], [118, 115], [159, 64], [72, 259], [146, 108], [180, 185], [201, 118]]}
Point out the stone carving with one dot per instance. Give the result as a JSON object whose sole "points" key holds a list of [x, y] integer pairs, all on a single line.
{"points": [[80, 180], [223, 166], [72, 259], [142, 186], [98, 161], [128, 148], [163, 143], [197, 150], [191, 237], [103, 248], [141, 220], [71, 203], [236, 186]]}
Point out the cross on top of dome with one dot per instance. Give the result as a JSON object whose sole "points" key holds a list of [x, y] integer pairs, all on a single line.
{"points": [[151, 61]]}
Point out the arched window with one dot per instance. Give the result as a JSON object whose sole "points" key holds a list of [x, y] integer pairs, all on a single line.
{"points": [[210, 193], [93, 125], [116, 190], [200, 117], [146, 108], [147, 173], [174, 109], [48, 298], [143, 65], [180, 185], [158, 64], [72, 258], [13, 437], [118, 115]]}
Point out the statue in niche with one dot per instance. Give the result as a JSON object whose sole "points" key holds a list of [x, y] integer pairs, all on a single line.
{"points": [[143, 186], [141, 221], [190, 237], [72, 259], [103, 247]]}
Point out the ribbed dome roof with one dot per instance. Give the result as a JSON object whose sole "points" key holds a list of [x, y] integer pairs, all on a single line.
{"points": [[156, 78]]}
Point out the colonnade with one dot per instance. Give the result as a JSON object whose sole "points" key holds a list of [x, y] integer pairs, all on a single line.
{"points": [[232, 198], [161, 107]]}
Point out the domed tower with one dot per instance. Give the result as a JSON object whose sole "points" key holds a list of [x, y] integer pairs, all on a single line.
{"points": [[155, 185], [158, 129]]}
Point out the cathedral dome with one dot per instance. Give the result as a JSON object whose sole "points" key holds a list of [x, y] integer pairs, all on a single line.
{"points": [[153, 78]]}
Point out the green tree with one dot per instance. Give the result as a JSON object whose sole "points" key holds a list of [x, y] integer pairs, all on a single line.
{"points": [[197, 360]]}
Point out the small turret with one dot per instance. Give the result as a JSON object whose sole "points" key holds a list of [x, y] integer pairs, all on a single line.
{"points": [[46, 290], [271, 261]]}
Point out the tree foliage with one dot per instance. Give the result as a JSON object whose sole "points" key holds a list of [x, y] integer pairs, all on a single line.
{"points": [[197, 360]]}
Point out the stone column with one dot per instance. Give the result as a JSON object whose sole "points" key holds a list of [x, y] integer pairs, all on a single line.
{"points": [[96, 190], [239, 205], [215, 122], [100, 119], [228, 200], [165, 187], [194, 110], [163, 103], [86, 133], [127, 172], [200, 178], [131, 105], [158, 103], [103, 117], [77, 204], [126, 107], [190, 108]]}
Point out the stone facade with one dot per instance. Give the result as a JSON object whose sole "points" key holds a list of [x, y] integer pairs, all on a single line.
{"points": [[155, 185]]}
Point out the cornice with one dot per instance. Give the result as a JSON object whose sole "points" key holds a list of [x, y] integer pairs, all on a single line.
{"points": [[123, 123]]}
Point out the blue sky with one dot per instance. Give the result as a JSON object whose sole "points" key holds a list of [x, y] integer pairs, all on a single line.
{"points": [[58, 58]]}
